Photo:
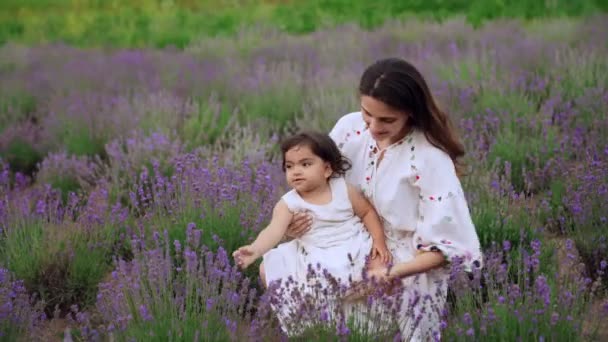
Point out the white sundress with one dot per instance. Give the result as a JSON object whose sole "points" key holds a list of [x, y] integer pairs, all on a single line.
{"points": [[337, 241], [419, 197]]}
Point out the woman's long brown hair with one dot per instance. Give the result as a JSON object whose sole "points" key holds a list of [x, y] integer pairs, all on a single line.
{"points": [[401, 86]]}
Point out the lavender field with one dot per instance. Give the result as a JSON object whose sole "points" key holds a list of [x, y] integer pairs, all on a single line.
{"points": [[128, 177]]}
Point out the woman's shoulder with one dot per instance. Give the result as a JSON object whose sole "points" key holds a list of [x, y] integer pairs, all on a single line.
{"points": [[431, 156], [348, 128], [349, 121], [354, 117]]}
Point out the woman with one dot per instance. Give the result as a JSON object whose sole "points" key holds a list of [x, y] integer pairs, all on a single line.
{"points": [[404, 155]]}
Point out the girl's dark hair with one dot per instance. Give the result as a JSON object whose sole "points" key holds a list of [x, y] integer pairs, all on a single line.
{"points": [[400, 85], [322, 146]]}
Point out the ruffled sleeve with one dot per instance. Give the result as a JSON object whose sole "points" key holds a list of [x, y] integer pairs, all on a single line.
{"points": [[346, 128], [444, 222]]}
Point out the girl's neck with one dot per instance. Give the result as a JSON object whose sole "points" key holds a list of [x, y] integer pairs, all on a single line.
{"points": [[320, 195]]}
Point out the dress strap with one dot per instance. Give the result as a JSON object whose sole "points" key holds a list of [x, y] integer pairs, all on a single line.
{"points": [[293, 200]]}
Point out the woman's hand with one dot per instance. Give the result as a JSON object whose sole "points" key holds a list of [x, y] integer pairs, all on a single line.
{"points": [[379, 249], [378, 282], [380, 274], [299, 225]]}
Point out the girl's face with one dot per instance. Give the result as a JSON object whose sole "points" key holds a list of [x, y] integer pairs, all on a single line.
{"points": [[385, 124], [304, 170]]}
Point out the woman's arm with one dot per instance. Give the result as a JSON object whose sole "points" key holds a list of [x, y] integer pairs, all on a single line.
{"points": [[422, 262], [299, 225]]}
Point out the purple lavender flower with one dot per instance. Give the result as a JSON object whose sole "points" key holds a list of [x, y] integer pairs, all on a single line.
{"points": [[145, 314], [20, 315]]}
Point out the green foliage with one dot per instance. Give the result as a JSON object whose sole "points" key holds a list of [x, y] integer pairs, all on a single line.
{"points": [[23, 250], [524, 152], [220, 226], [21, 155], [207, 125], [57, 262], [465, 72], [159, 24], [527, 298], [324, 333], [80, 141], [153, 300], [277, 104], [65, 184], [496, 218], [170, 327], [17, 106], [578, 74], [592, 246], [513, 106]]}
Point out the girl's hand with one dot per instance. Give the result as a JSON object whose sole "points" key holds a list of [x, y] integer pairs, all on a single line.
{"points": [[299, 225], [379, 249], [245, 256]]}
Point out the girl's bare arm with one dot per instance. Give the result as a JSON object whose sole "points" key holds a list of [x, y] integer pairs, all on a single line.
{"points": [[364, 209], [270, 236]]}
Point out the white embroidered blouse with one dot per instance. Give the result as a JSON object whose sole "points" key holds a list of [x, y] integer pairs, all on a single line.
{"points": [[415, 190]]}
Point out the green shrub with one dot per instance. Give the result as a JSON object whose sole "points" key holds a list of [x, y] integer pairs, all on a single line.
{"points": [[524, 152], [160, 24], [62, 263], [21, 156]]}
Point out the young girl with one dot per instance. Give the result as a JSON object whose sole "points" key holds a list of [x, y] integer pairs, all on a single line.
{"points": [[337, 241]]}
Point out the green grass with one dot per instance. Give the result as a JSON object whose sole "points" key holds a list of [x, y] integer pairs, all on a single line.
{"points": [[80, 141], [22, 250], [498, 220], [523, 151], [522, 312], [59, 263], [15, 105], [21, 155], [220, 226], [206, 125], [159, 24], [65, 184]]}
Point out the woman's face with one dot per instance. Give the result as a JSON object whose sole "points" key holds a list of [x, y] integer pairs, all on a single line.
{"points": [[385, 124]]}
